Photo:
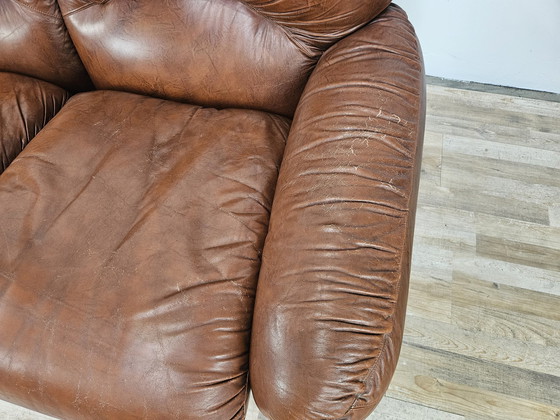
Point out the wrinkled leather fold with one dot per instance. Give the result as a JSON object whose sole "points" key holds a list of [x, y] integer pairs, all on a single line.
{"points": [[129, 253], [333, 285], [26, 106], [317, 24]]}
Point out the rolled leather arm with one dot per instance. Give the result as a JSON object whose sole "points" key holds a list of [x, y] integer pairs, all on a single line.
{"points": [[332, 291], [26, 105]]}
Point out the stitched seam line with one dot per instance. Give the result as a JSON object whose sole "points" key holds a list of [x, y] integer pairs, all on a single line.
{"points": [[373, 368], [36, 10], [399, 285], [245, 403], [398, 290], [79, 9]]}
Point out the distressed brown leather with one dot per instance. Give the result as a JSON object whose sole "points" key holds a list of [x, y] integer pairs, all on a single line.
{"points": [[35, 42], [27, 104], [225, 53], [172, 238], [328, 326], [317, 24], [131, 294]]}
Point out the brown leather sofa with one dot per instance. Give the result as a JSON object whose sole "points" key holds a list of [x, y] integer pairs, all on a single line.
{"points": [[201, 194]]}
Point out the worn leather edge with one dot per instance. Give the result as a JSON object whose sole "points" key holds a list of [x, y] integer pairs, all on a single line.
{"points": [[362, 405]]}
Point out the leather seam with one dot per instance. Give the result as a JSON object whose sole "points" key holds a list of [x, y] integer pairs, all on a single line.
{"points": [[79, 9], [244, 413], [54, 17], [355, 405]]}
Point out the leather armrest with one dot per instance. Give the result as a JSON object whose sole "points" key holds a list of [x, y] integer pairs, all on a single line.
{"points": [[333, 286], [26, 105]]}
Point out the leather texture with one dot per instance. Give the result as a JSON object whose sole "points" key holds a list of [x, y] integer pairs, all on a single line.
{"points": [[35, 42], [27, 104], [221, 53], [129, 264], [317, 24], [139, 275], [333, 285]]}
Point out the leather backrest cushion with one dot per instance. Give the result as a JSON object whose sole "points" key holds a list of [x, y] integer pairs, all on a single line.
{"points": [[34, 42], [223, 53]]}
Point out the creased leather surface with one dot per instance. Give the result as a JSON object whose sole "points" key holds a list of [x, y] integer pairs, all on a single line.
{"points": [[35, 42], [217, 53], [129, 250], [222, 53], [332, 290], [317, 24], [26, 105]]}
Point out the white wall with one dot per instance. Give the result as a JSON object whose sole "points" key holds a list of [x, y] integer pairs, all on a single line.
{"points": [[501, 42]]}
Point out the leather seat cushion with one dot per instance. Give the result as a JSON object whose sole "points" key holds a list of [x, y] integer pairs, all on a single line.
{"points": [[26, 105], [130, 243]]}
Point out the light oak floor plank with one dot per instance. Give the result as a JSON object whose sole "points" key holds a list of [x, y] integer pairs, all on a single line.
{"points": [[483, 375], [511, 274], [426, 333], [483, 336], [470, 402]]}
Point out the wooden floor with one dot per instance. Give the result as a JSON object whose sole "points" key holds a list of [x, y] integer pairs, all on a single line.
{"points": [[482, 338]]}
